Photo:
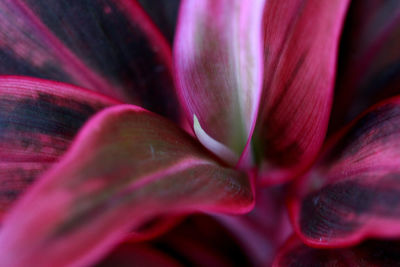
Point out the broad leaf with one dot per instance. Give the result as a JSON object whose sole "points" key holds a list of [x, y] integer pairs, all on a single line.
{"points": [[218, 65], [126, 166], [300, 46], [354, 191], [38, 120], [109, 46]]}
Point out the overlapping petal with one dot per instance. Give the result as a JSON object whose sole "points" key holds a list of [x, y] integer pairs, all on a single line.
{"points": [[38, 120], [126, 166], [300, 48], [217, 52], [109, 46], [369, 254], [353, 193]]}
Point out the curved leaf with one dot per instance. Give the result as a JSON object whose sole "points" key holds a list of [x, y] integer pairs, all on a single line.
{"points": [[126, 166], [108, 46], [354, 191], [368, 254], [369, 62], [300, 45], [38, 120], [217, 53]]}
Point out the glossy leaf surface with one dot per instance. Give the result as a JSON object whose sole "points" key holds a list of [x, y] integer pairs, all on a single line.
{"points": [[353, 192], [38, 120], [300, 46], [126, 166], [218, 65], [108, 46]]}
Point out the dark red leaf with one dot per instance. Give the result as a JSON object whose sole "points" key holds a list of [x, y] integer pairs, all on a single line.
{"points": [[354, 191], [369, 62], [126, 166], [38, 120], [109, 46], [300, 45]]}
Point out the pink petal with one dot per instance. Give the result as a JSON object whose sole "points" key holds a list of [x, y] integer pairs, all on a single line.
{"points": [[300, 46], [108, 46], [354, 191], [38, 120], [217, 53], [126, 166], [369, 68], [368, 254]]}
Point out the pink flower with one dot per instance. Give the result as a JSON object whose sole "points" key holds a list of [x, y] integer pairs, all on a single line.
{"points": [[111, 140]]}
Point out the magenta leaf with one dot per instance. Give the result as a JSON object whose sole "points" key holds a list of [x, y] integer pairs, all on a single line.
{"points": [[109, 46], [38, 120], [369, 68], [368, 254], [300, 45], [354, 191], [126, 166], [217, 53]]}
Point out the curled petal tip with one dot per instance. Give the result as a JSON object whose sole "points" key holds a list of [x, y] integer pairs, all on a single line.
{"points": [[219, 149]]}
